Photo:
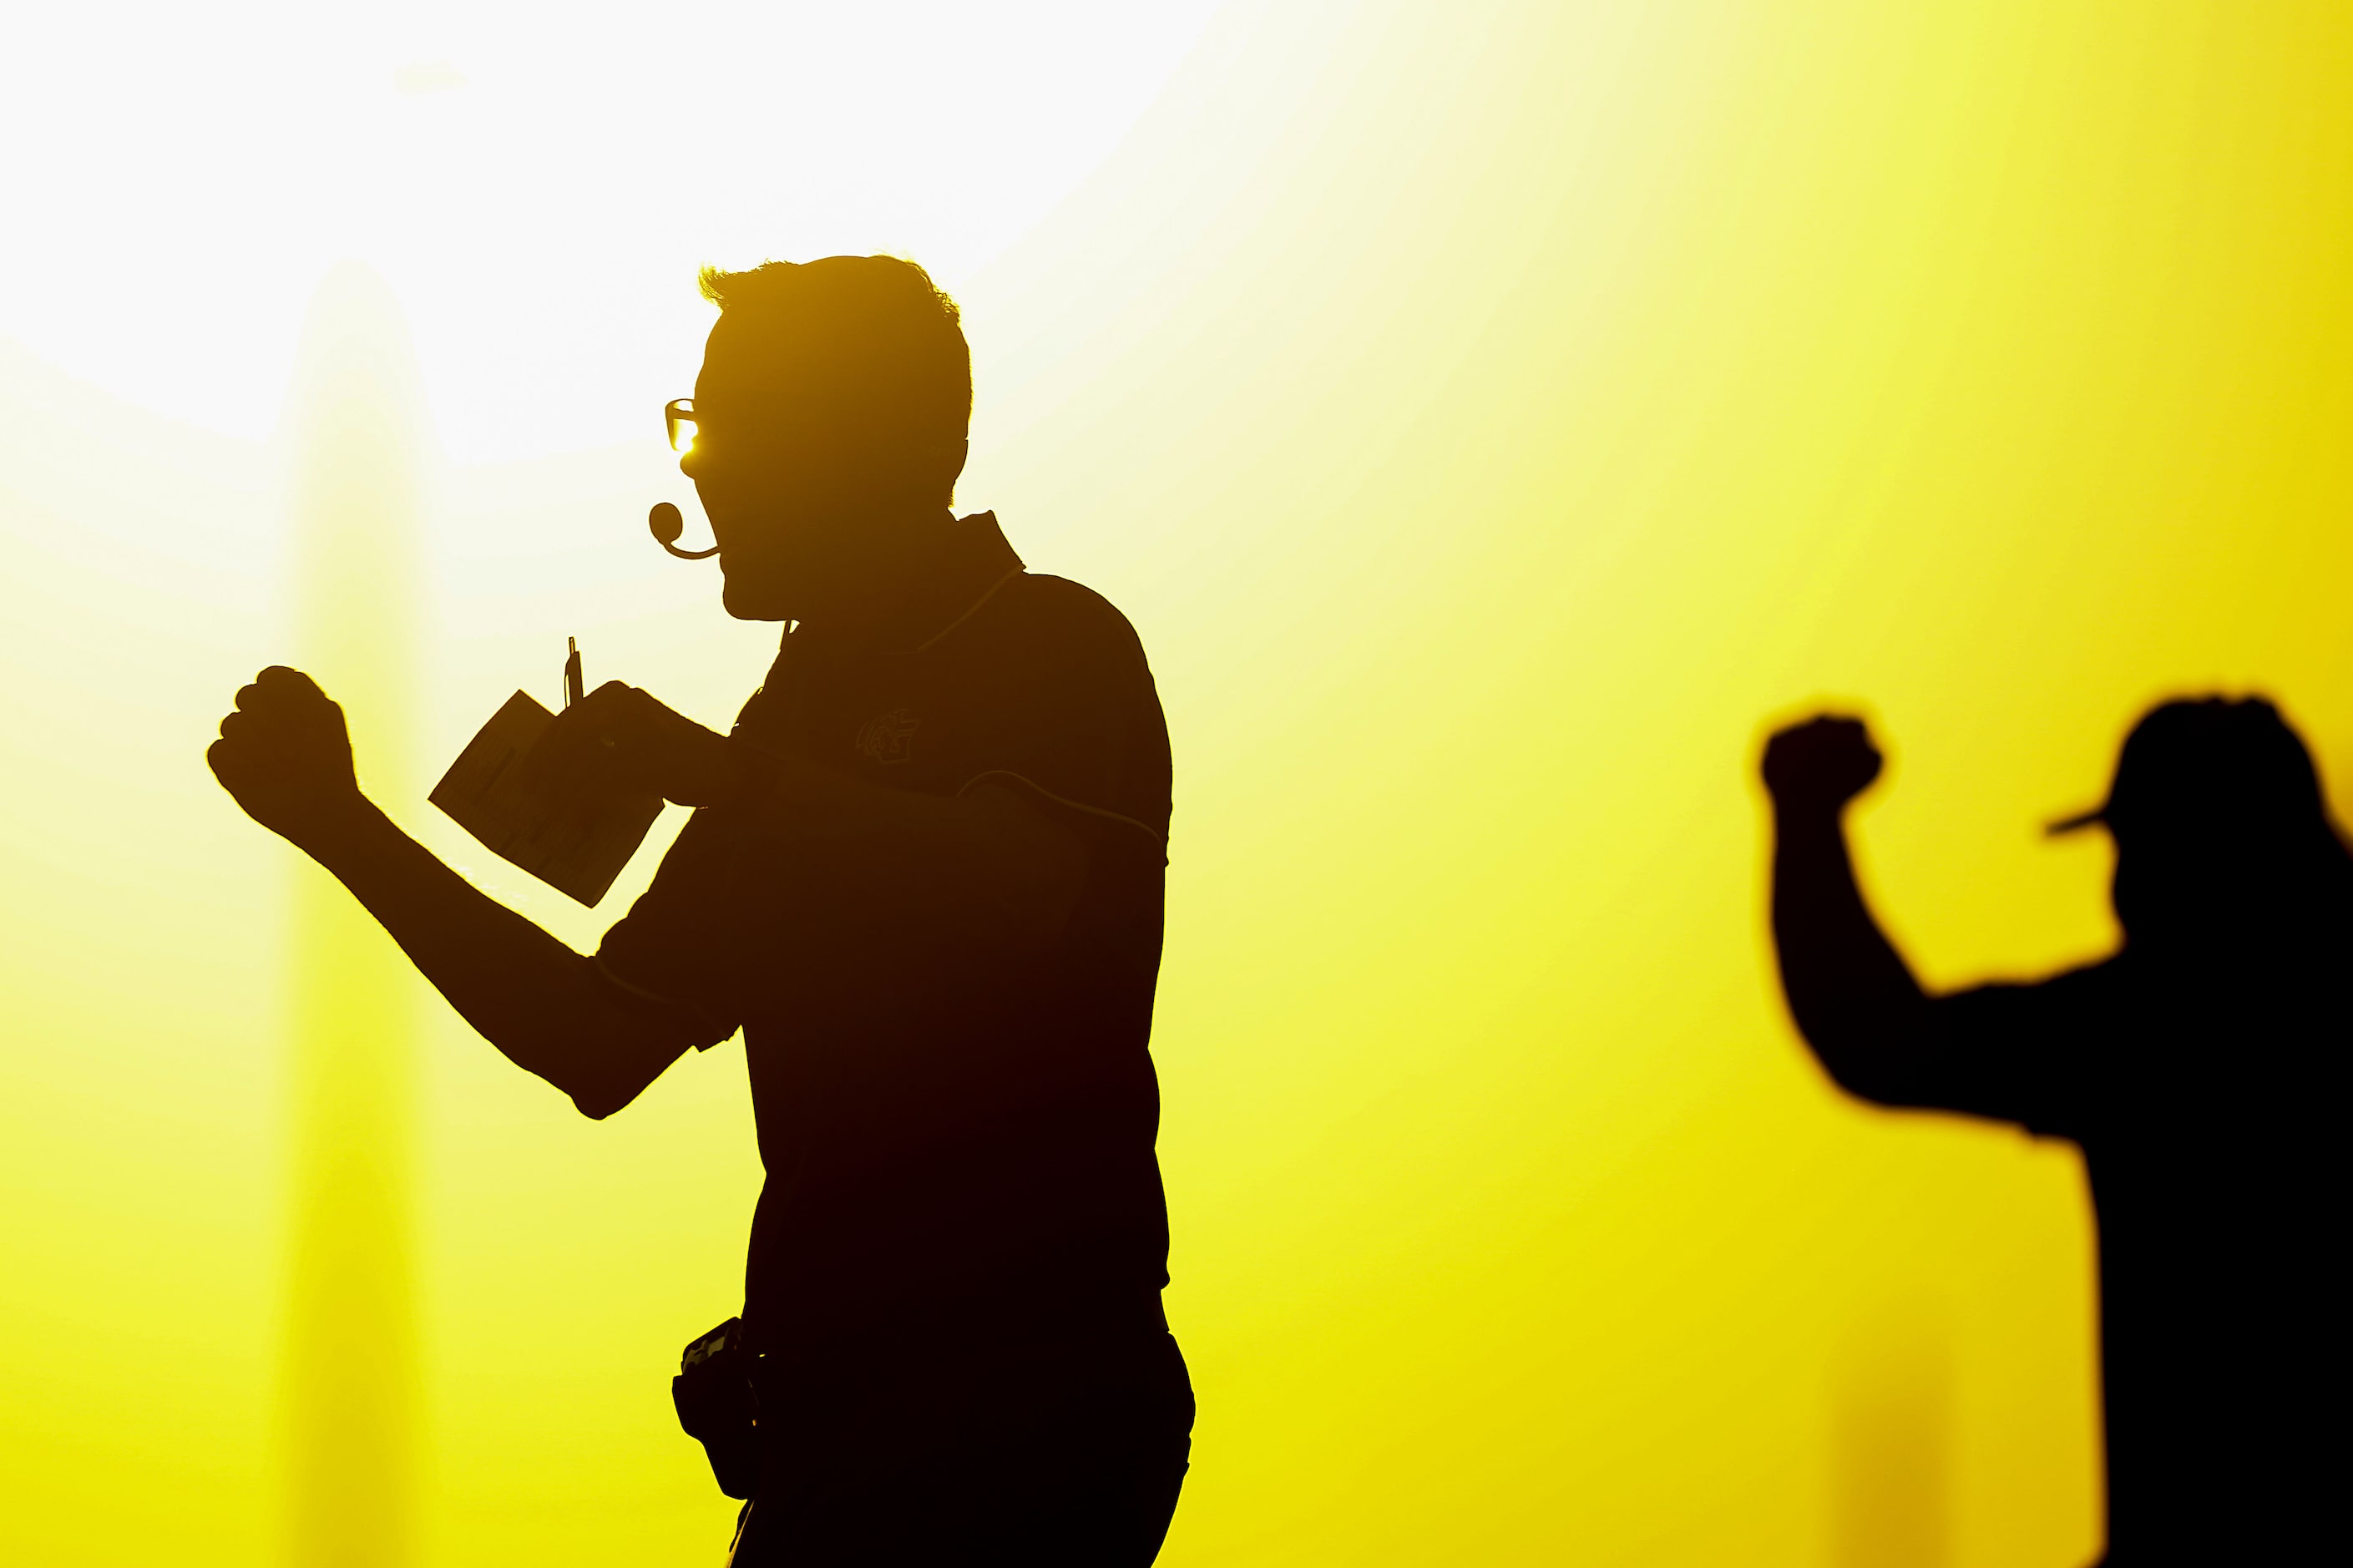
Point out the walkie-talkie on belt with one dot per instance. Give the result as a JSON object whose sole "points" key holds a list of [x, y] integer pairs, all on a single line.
{"points": [[717, 1406]]}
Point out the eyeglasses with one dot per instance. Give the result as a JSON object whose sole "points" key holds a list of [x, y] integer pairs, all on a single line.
{"points": [[682, 425]]}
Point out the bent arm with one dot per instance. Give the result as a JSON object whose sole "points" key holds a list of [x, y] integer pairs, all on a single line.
{"points": [[543, 1005], [1853, 998]]}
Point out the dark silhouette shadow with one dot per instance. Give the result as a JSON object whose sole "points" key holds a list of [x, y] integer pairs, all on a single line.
{"points": [[2195, 1068], [924, 878]]}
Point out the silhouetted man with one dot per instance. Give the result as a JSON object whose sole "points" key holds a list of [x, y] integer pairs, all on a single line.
{"points": [[2198, 1070], [924, 878]]}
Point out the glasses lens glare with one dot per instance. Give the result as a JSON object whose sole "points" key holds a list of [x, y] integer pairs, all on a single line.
{"points": [[681, 423]]}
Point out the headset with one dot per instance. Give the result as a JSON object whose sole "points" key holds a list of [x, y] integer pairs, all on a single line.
{"points": [[666, 524]]}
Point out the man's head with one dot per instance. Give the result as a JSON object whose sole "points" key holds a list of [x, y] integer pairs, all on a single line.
{"points": [[831, 417], [2221, 831]]}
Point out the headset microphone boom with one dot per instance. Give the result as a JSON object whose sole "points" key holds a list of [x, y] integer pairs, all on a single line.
{"points": [[666, 524]]}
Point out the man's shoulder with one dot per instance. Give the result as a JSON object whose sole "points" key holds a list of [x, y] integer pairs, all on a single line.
{"points": [[1044, 595], [1056, 618]]}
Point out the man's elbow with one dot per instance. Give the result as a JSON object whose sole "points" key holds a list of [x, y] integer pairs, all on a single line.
{"points": [[609, 1086], [597, 1088], [597, 1102], [1873, 1065], [610, 1058], [1868, 1082]]}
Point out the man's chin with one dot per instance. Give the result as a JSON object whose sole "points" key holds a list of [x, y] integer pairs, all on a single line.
{"points": [[750, 599]]}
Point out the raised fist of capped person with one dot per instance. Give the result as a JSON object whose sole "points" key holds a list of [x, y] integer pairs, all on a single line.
{"points": [[1821, 765], [285, 757]]}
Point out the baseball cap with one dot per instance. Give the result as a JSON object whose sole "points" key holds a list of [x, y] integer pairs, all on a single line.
{"points": [[2205, 763]]}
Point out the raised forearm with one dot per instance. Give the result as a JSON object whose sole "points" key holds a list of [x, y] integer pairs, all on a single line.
{"points": [[1851, 993], [539, 1002]]}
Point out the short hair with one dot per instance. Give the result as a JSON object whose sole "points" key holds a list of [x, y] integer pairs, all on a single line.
{"points": [[886, 342]]}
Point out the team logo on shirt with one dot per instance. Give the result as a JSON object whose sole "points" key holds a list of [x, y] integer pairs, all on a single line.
{"points": [[890, 738]]}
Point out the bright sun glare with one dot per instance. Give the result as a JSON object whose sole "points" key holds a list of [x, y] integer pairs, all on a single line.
{"points": [[538, 187]]}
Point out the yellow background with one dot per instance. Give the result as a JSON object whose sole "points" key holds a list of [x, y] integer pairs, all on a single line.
{"points": [[1491, 417]]}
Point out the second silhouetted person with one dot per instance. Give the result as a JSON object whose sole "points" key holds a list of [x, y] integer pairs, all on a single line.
{"points": [[2198, 1070]]}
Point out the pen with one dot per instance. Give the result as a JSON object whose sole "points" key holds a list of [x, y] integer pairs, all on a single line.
{"points": [[572, 688]]}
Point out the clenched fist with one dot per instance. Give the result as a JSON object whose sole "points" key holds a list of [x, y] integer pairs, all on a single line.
{"points": [[284, 756], [1821, 765]]}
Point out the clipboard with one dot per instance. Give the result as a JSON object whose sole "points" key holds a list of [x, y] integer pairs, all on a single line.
{"points": [[576, 843]]}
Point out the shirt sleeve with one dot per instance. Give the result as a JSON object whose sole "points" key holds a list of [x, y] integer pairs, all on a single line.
{"points": [[1086, 741], [679, 944], [2021, 1053], [751, 917]]}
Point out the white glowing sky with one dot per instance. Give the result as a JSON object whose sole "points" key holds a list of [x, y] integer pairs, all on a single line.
{"points": [[538, 184]]}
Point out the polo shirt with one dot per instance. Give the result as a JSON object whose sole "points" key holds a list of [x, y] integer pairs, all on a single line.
{"points": [[940, 1123]]}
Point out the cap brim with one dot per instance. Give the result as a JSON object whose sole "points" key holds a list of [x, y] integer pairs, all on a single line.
{"points": [[2096, 817]]}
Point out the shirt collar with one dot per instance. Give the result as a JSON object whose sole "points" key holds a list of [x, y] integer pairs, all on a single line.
{"points": [[970, 562]]}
